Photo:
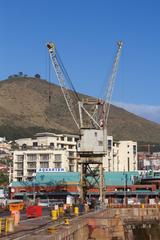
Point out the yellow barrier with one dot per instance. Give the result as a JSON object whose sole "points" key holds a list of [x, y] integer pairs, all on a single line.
{"points": [[54, 215], [6, 225], [76, 211], [10, 224]]}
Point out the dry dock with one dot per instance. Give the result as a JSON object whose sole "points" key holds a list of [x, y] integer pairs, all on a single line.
{"points": [[109, 223]]}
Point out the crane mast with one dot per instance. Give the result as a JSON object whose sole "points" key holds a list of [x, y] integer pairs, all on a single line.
{"points": [[108, 95], [109, 89]]}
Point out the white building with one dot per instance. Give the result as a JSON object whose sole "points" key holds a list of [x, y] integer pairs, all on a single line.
{"points": [[122, 156], [125, 156], [44, 150]]}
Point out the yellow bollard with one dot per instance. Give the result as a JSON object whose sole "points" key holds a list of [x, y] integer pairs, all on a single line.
{"points": [[61, 211], [66, 221], [10, 224], [51, 229], [142, 206], [76, 211], [54, 215]]}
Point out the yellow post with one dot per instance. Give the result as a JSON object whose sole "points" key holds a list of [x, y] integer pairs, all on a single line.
{"points": [[142, 205], [54, 215], [6, 225], [57, 213], [76, 211], [0, 225]]}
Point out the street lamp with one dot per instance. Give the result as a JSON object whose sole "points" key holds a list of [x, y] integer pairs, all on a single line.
{"points": [[34, 193], [125, 187]]}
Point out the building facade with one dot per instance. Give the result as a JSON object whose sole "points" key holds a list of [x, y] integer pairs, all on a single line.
{"points": [[149, 161], [59, 151], [127, 156], [122, 156], [44, 150]]}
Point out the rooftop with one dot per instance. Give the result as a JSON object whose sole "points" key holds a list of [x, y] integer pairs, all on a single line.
{"points": [[57, 178]]}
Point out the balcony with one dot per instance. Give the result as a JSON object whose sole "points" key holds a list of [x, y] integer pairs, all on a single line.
{"points": [[19, 174], [18, 168], [31, 168]]}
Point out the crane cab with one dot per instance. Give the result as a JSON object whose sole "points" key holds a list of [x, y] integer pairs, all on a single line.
{"points": [[91, 141]]}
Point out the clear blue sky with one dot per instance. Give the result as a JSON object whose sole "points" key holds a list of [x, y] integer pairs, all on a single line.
{"points": [[85, 33]]}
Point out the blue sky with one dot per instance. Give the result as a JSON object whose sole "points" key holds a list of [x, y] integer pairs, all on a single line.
{"points": [[86, 32]]}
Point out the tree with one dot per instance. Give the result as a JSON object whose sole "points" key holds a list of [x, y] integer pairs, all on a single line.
{"points": [[37, 75]]}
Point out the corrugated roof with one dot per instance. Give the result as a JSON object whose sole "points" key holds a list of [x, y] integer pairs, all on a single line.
{"points": [[58, 178], [120, 178], [50, 179]]}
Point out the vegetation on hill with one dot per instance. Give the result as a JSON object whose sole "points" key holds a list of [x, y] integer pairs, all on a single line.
{"points": [[29, 105]]}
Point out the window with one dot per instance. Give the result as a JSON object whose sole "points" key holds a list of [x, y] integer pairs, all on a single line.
{"points": [[69, 139], [19, 173], [31, 165], [35, 144], [51, 145], [31, 157], [58, 157], [44, 165], [71, 161], [19, 166], [109, 144], [71, 154], [24, 146], [44, 157], [57, 165], [20, 157], [62, 138], [128, 164], [70, 146], [71, 168], [31, 172], [134, 149]]}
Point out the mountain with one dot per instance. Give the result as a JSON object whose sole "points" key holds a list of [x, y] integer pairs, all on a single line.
{"points": [[25, 108]]}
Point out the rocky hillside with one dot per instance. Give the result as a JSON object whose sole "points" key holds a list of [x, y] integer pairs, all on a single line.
{"points": [[25, 109]]}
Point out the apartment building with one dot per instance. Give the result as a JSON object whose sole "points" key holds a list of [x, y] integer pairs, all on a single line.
{"points": [[44, 151], [122, 156], [125, 156]]}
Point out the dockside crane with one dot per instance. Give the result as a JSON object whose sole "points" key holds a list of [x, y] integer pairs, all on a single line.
{"points": [[91, 122]]}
